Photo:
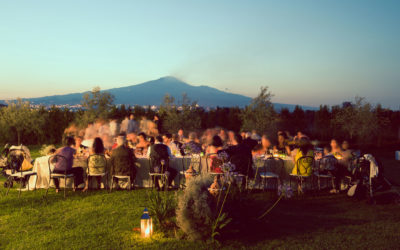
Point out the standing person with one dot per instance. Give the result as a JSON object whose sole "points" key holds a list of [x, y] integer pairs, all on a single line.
{"points": [[143, 125], [113, 128], [159, 157], [157, 121], [61, 167], [132, 125], [124, 125], [181, 135], [123, 160]]}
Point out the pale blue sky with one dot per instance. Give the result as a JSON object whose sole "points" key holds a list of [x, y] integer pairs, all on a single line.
{"points": [[307, 52]]}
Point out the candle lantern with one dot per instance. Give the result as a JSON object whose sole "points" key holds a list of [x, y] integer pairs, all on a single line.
{"points": [[146, 224]]}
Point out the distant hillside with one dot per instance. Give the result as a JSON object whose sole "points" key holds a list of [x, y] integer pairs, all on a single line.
{"points": [[153, 92]]}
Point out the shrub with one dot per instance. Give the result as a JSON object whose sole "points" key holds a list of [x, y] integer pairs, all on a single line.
{"points": [[196, 209]]}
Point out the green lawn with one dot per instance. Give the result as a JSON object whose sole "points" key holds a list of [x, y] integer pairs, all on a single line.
{"points": [[106, 221]]}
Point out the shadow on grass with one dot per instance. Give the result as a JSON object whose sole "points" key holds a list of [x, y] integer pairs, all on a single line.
{"points": [[301, 215]]}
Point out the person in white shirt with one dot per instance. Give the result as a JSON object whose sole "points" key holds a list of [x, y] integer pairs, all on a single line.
{"points": [[168, 140]]}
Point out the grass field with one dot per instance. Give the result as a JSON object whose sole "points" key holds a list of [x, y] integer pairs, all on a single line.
{"points": [[105, 221]]}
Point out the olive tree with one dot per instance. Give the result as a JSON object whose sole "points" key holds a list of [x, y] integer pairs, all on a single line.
{"points": [[260, 115], [20, 122]]}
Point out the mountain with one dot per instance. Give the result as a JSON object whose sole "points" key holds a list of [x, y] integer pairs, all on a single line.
{"points": [[153, 92]]}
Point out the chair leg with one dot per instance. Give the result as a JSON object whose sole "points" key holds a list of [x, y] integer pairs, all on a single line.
{"points": [[129, 184], [9, 184], [20, 187], [65, 187], [112, 183], [319, 184]]}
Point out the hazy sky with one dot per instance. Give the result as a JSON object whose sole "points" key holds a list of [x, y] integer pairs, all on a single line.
{"points": [[307, 52]]}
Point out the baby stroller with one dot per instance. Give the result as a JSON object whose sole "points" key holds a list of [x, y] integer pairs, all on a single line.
{"points": [[366, 178], [15, 159]]}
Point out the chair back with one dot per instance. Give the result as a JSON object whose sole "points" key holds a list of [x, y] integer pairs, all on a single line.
{"points": [[57, 160], [158, 165], [328, 163], [213, 162], [274, 164], [242, 163], [98, 161], [305, 165]]}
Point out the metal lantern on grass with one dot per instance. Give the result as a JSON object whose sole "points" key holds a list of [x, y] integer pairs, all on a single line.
{"points": [[146, 224]]}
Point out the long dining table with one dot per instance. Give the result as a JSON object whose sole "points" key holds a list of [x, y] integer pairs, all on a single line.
{"points": [[179, 163]]}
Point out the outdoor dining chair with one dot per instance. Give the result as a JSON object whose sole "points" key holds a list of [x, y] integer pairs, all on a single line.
{"points": [[59, 159], [103, 176], [305, 162], [330, 162], [155, 176], [272, 167]]}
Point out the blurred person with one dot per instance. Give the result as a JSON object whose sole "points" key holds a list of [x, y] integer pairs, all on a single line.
{"points": [[132, 125], [266, 145], [215, 146], [336, 149], [254, 135], [124, 125], [113, 125], [158, 123], [282, 146], [132, 140], [143, 144], [168, 140], [181, 135]]}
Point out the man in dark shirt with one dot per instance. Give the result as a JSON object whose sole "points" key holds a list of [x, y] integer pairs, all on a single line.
{"points": [[123, 160], [159, 158], [240, 155]]}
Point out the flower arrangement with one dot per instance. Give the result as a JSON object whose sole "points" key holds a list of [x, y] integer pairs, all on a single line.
{"points": [[191, 148], [223, 156]]}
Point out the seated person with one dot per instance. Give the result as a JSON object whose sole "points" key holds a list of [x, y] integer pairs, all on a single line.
{"points": [[282, 147], [305, 168], [266, 145], [258, 151], [97, 163], [123, 160], [167, 139], [240, 155], [80, 149], [336, 149], [192, 146], [131, 139], [214, 148], [159, 157], [347, 153], [142, 145], [62, 167]]}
